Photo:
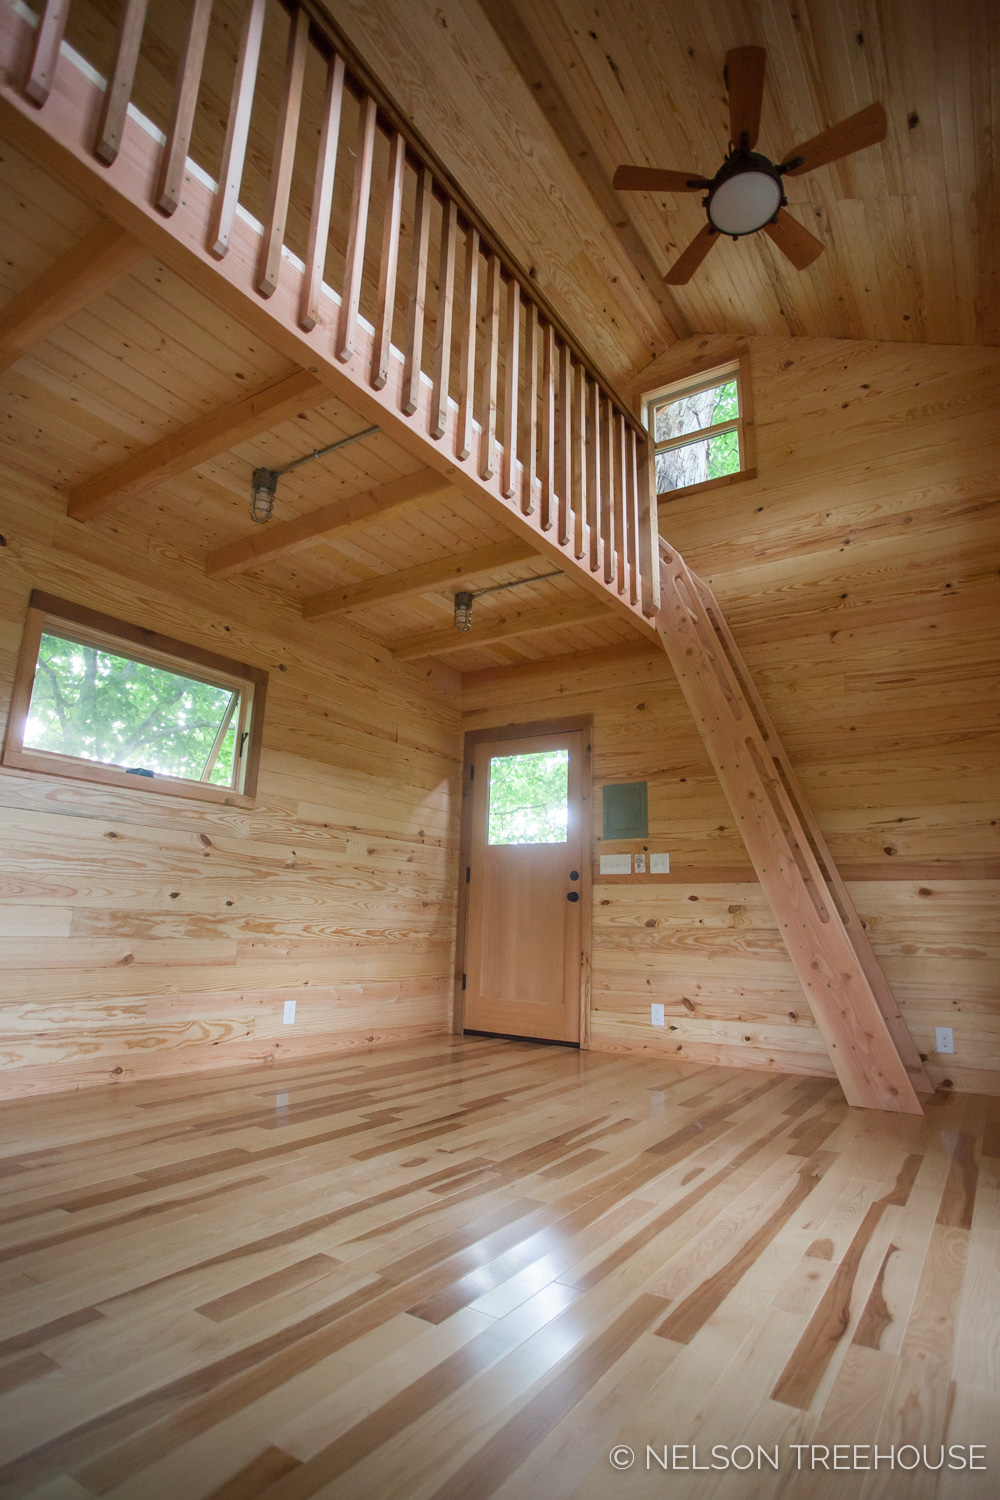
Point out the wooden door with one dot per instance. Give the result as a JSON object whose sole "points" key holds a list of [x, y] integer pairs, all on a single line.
{"points": [[527, 884]]}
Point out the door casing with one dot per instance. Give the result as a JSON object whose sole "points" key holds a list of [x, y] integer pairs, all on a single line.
{"points": [[474, 737]]}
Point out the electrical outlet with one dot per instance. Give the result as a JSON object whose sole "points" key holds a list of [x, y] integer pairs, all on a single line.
{"points": [[659, 864], [944, 1039], [288, 1019], [656, 1015], [639, 864]]}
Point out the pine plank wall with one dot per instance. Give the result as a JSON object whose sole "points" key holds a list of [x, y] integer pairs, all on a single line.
{"points": [[142, 936], [859, 571]]}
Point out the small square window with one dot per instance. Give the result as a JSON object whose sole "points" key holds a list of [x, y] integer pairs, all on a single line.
{"points": [[702, 430], [529, 798], [100, 700]]}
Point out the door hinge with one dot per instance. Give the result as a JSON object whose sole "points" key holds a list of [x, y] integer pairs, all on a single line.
{"points": [[468, 873], [464, 978], [472, 773]]}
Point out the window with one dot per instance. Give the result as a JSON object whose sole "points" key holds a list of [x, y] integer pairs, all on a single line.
{"points": [[100, 700], [529, 798], [702, 429]]}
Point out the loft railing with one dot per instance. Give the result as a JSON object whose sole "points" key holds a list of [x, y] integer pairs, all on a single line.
{"points": [[308, 153]]}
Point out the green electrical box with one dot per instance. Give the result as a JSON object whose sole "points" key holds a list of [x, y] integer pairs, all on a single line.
{"points": [[626, 815]]}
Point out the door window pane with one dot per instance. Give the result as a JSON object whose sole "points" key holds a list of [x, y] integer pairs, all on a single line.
{"points": [[529, 798], [95, 705]]}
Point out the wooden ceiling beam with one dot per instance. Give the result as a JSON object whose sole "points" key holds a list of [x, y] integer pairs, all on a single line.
{"points": [[422, 579], [94, 263], [501, 628], [197, 442], [576, 661], [268, 542]]}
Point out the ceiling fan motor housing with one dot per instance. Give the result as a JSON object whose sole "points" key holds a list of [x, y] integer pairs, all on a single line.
{"points": [[746, 194]]}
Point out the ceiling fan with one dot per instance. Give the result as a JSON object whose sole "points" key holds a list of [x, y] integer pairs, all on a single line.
{"points": [[747, 193]]}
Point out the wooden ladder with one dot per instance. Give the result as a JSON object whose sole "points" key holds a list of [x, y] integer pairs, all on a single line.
{"points": [[870, 1047]]}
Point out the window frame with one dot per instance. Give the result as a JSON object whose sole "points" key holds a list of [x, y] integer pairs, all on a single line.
{"points": [[47, 612], [690, 385]]}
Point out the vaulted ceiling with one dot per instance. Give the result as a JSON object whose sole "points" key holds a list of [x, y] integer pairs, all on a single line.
{"points": [[531, 104]]}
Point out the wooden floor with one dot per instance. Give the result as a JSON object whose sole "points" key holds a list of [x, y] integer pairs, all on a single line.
{"points": [[472, 1268]]}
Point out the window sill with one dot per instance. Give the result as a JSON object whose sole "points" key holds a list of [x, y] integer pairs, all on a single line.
{"points": [[708, 484], [66, 769]]}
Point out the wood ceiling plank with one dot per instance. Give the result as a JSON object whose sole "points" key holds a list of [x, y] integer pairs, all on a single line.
{"points": [[199, 441], [84, 272], [255, 550], [421, 579], [502, 627]]}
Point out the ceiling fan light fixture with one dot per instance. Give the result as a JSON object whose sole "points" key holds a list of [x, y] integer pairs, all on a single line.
{"points": [[745, 195]]}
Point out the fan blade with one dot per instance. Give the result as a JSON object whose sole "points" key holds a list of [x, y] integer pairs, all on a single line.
{"points": [[653, 180], [745, 82], [801, 247], [866, 128], [690, 259]]}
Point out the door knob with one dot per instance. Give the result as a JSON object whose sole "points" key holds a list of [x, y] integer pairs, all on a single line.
{"points": [[573, 896]]}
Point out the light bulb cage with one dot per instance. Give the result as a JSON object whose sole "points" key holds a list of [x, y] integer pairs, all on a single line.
{"points": [[463, 611], [263, 488]]}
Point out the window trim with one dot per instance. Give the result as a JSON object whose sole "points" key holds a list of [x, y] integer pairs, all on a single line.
{"points": [[701, 379], [49, 611]]}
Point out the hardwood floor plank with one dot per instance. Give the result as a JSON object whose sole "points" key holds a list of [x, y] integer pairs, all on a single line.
{"points": [[445, 1271]]}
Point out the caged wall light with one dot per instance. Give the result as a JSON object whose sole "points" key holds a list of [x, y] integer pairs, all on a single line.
{"points": [[264, 484]]}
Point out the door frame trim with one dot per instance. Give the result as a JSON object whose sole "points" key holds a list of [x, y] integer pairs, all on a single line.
{"points": [[511, 731]]}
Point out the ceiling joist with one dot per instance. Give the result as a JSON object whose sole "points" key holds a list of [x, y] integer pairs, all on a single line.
{"points": [[422, 579], [93, 264], [501, 628], [196, 443], [267, 542]]}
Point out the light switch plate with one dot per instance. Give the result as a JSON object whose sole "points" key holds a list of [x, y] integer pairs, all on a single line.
{"points": [[640, 864], [616, 864], [288, 1019], [944, 1039], [659, 864], [656, 1015]]}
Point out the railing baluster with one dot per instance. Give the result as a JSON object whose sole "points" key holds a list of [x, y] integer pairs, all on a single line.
{"points": [[48, 40], [607, 487], [488, 444], [114, 108], [632, 512], [548, 453], [564, 449], [621, 503], [168, 192], [389, 263], [467, 357], [511, 387], [322, 199], [530, 471], [237, 130], [594, 468], [580, 462], [445, 313], [354, 265], [649, 554], [269, 263], [418, 291]]}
